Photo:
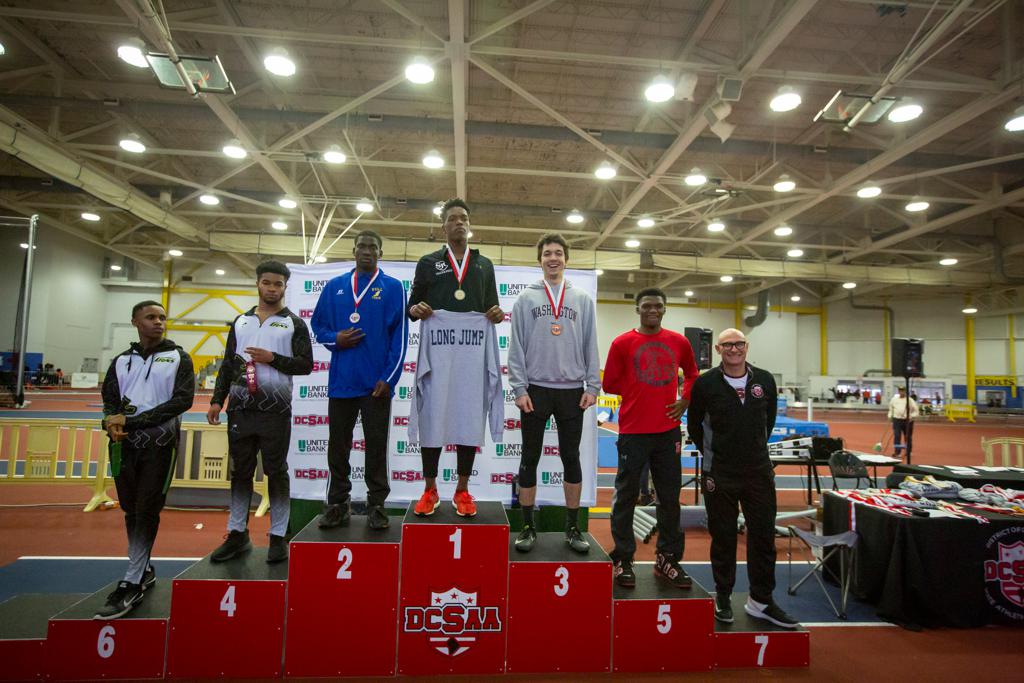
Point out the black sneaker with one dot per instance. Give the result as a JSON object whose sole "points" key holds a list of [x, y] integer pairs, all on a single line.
{"points": [[334, 515], [235, 543], [723, 607], [148, 578], [278, 551], [624, 575], [667, 568], [377, 518], [645, 500], [574, 539], [121, 601], [771, 612], [526, 538]]}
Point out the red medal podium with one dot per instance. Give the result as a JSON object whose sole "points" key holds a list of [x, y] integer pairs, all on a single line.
{"points": [[749, 643], [659, 627], [454, 581], [82, 648], [23, 624], [553, 584], [227, 619], [342, 601]]}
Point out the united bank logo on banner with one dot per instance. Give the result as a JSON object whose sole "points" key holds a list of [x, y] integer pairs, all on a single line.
{"points": [[503, 343], [316, 391], [414, 339], [310, 446], [407, 285], [550, 478], [404, 393], [511, 289], [510, 396], [314, 286], [451, 476], [452, 619], [407, 448], [1004, 572], [508, 450]]}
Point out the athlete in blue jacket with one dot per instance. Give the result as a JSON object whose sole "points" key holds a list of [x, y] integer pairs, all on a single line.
{"points": [[361, 318]]}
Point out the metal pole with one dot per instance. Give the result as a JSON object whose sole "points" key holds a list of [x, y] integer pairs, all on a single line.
{"points": [[26, 300]]}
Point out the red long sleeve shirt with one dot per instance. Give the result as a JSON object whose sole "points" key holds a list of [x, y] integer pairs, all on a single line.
{"points": [[643, 370]]}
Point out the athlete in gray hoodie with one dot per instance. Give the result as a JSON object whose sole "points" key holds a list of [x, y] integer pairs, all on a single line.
{"points": [[554, 369]]}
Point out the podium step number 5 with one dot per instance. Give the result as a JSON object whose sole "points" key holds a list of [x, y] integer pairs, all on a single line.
{"points": [[664, 619]]}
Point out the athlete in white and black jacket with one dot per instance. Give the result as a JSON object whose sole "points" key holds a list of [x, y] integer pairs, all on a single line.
{"points": [[266, 347], [145, 391], [731, 416]]}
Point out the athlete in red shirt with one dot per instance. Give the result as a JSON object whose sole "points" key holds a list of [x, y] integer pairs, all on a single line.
{"points": [[642, 368]]}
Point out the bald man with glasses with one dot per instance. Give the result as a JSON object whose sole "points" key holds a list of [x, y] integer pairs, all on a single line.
{"points": [[731, 416]]}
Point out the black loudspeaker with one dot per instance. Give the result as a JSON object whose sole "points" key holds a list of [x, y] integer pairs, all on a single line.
{"points": [[907, 357], [822, 447], [700, 342]]}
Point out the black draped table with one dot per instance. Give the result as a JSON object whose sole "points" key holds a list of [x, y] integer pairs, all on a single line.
{"points": [[1008, 478], [935, 571]]}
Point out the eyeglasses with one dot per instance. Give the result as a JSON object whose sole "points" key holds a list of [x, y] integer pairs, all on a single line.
{"points": [[739, 346]]}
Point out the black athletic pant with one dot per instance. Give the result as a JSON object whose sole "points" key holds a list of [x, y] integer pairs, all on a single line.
{"points": [[564, 404], [251, 432], [755, 492], [662, 452], [900, 428], [375, 414], [465, 455], [142, 487]]}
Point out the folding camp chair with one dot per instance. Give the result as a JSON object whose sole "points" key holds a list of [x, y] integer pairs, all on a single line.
{"points": [[823, 549]]}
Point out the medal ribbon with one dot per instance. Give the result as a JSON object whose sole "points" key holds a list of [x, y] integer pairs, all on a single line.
{"points": [[556, 310], [355, 285], [460, 269]]}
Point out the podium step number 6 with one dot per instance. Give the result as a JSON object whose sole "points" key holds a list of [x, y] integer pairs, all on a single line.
{"points": [[227, 603], [761, 640], [456, 539], [345, 557], [105, 642], [664, 619]]}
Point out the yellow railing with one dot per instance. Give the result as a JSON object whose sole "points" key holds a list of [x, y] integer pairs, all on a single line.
{"points": [[960, 411], [612, 402], [1011, 451], [54, 451]]}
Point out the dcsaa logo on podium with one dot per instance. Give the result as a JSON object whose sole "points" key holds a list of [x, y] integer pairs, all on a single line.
{"points": [[453, 615], [1004, 572]]}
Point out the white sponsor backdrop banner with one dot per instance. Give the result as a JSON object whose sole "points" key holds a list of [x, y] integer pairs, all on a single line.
{"points": [[495, 464]]}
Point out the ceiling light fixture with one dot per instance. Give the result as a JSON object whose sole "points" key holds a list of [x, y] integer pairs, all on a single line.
{"points": [[869, 192], [906, 110], [696, 178], [364, 206], [716, 225], [598, 272], [970, 310], [785, 100], [645, 222], [784, 184], [209, 199], [234, 149], [334, 155], [660, 89], [726, 278], [1015, 123], [795, 253], [605, 171], [948, 262], [279, 63], [279, 225], [419, 71], [90, 216], [575, 217], [688, 293], [24, 245], [437, 210], [114, 267], [783, 231], [131, 51], [795, 298], [175, 252], [849, 285], [3, 50], [320, 259], [916, 205], [220, 271], [632, 244], [433, 159], [287, 203], [132, 143]]}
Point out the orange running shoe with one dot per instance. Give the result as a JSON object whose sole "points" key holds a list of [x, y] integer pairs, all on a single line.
{"points": [[428, 503], [464, 505]]}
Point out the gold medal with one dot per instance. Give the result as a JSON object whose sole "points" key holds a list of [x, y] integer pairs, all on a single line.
{"points": [[459, 294]]}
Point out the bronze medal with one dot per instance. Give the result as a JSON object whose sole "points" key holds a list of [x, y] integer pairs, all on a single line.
{"points": [[556, 329]]}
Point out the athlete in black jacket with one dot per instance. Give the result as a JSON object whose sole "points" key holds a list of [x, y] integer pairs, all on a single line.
{"points": [[731, 416]]}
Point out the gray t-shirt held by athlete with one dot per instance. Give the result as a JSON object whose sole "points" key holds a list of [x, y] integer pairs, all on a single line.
{"points": [[566, 360]]}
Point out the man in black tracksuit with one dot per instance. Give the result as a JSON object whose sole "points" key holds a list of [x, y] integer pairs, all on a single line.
{"points": [[730, 418]]}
